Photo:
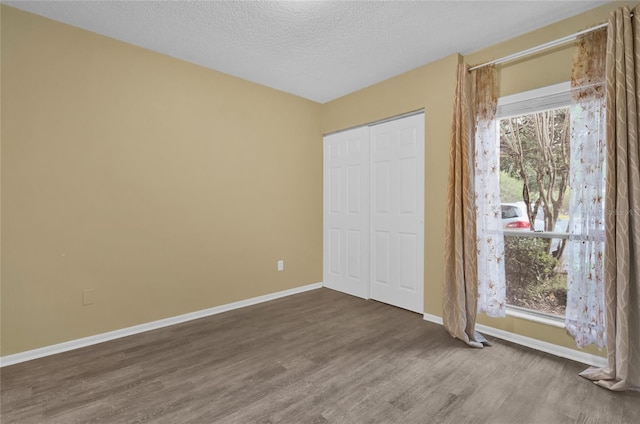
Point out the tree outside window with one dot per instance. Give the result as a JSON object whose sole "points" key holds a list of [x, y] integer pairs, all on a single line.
{"points": [[534, 175]]}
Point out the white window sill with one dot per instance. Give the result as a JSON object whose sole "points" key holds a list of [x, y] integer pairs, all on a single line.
{"points": [[535, 317]]}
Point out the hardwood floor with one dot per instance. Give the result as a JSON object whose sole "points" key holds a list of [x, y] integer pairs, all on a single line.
{"points": [[315, 357]]}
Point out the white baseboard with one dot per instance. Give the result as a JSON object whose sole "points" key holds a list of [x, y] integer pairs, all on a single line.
{"points": [[124, 332], [432, 318], [564, 352]]}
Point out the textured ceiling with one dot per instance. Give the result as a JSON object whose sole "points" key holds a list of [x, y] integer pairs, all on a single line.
{"points": [[319, 50]]}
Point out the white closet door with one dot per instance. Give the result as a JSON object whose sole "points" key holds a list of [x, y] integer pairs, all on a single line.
{"points": [[397, 212], [346, 212]]}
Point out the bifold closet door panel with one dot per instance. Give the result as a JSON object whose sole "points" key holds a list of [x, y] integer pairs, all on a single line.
{"points": [[397, 212], [346, 212]]}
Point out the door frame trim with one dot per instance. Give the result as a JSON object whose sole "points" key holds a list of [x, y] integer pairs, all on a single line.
{"points": [[378, 122]]}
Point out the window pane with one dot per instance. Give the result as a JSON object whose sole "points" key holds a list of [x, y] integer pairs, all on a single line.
{"points": [[534, 187], [536, 274]]}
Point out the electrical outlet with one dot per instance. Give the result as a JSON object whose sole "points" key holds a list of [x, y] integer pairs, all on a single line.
{"points": [[280, 265]]}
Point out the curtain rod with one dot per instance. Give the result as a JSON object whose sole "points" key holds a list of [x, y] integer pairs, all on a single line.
{"points": [[539, 48]]}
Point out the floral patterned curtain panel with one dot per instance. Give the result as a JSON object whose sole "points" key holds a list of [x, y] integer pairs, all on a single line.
{"points": [[622, 217], [490, 239], [585, 319], [465, 288]]}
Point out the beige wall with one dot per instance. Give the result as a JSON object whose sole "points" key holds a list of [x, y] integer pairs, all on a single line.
{"points": [[169, 188], [163, 186], [432, 87]]}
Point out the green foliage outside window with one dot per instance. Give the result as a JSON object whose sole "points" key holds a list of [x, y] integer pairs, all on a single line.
{"points": [[533, 277]]}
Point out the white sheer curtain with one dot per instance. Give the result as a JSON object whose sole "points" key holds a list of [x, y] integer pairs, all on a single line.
{"points": [[490, 240], [585, 313]]}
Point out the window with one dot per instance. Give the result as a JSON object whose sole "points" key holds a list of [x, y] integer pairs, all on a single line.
{"points": [[535, 161]]}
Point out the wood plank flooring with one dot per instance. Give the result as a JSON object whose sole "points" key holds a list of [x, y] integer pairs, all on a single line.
{"points": [[315, 357]]}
